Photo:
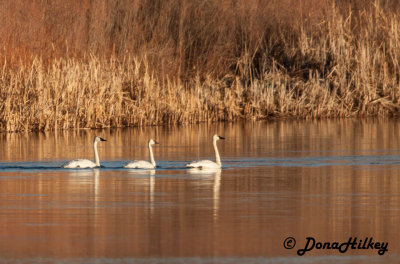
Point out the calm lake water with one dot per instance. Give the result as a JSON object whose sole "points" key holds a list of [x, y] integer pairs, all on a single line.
{"points": [[332, 180]]}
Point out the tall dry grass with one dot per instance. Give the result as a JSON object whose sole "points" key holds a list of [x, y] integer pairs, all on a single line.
{"points": [[75, 64]]}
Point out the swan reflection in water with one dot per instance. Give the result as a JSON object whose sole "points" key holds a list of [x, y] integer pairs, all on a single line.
{"points": [[86, 176], [84, 179], [146, 177], [212, 177]]}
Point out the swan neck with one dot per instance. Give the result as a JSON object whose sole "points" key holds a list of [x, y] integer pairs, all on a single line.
{"points": [[152, 161], [96, 154], [217, 157]]}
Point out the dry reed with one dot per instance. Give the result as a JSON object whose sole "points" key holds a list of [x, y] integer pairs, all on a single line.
{"points": [[129, 63]]}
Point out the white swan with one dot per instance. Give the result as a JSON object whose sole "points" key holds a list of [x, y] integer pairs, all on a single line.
{"points": [[142, 164], [208, 164], [84, 163]]}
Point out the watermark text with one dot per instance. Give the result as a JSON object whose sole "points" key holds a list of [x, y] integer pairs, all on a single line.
{"points": [[353, 243]]}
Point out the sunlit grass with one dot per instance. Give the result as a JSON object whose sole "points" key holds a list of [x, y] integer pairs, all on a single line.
{"points": [[195, 61]]}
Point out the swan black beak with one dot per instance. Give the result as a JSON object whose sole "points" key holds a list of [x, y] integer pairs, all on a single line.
{"points": [[221, 137], [156, 142], [102, 139]]}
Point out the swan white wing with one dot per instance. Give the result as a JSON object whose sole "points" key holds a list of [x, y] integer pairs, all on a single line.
{"points": [[203, 164], [80, 163], [139, 164]]}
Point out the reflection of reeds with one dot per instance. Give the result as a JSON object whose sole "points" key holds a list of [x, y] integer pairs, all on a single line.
{"points": [[193, 61]]}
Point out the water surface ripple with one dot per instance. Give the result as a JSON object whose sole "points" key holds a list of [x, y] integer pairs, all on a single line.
{"points": [[328, 179]]}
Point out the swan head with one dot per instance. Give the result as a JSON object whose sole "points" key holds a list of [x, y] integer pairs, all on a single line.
{"points": [[97, 139], [152, 142], [216, 137]]}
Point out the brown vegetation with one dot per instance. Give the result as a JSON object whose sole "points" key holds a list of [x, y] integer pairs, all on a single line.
{"points": [[75, 64]]}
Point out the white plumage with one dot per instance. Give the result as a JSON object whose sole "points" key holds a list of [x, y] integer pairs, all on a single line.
{"points": [[85, 163], [142, 164], [208, 164]]}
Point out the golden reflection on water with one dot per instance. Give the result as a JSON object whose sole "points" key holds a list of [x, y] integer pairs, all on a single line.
{"points": [[241, 210], [193, 141]]}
